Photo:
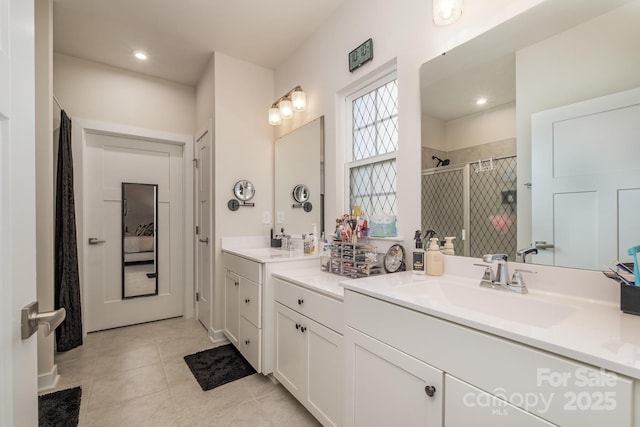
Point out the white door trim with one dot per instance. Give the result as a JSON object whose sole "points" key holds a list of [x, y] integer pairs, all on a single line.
{"points": [[82, 127]]}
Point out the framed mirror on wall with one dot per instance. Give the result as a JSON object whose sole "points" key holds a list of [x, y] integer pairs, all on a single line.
{"points": [[535, 122], [139, 240], [299, 179]]}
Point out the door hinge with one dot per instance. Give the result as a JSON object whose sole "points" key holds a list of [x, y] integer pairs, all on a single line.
{"points": [[197, 230], [195, 163], [197, 296]]}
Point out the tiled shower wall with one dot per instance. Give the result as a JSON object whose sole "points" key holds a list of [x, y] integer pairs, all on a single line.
{"points": [[492, 225]]}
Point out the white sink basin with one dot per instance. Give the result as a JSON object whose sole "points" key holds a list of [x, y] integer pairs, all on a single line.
{"points": [[528, 309]]}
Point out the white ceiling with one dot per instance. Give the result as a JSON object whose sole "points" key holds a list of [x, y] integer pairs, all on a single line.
{"points": [[180, 35]]}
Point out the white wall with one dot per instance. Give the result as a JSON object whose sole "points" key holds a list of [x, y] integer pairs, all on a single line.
{"points": [[402, 31], [243, 141], [561, 70], [496, 124], [205, 93], [100, 92]]}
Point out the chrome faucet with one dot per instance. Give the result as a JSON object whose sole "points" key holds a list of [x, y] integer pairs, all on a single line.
{"points": [[498, 279], [521, 255]]}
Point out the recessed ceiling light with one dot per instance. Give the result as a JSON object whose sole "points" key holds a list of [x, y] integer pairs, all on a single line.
{"points": [[140, 55], [481, 101]]}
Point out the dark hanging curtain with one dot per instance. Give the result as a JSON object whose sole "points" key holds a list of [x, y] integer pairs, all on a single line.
{"points": [[67, 279]]}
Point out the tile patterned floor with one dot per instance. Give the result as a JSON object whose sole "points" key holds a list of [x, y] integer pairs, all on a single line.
{"points": [[136, 376]]}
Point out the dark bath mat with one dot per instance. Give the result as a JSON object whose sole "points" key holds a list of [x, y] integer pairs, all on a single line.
{"points": [[59, 409], [218, 366]]}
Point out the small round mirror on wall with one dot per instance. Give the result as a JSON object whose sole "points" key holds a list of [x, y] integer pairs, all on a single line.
{"points": [[244, 190], [301, 193]]}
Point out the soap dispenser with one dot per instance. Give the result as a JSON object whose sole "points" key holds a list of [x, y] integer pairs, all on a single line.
{"points": [[448, 246], [418, 255], [435, 259]]}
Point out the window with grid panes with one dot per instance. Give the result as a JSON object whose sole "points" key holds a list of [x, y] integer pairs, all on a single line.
{"points": [[374, 143]]}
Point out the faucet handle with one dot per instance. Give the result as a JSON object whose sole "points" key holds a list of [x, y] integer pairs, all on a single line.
{"points": [[488, 273], [517, 277]]}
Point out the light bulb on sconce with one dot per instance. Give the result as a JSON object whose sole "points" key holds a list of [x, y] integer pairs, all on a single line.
{"points": [[286, 108], [274, 115], [299, 99], [283, 108], [446, 12]]}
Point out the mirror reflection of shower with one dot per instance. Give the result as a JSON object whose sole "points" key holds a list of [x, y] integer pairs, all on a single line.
{"points": [[139, 240], [441, 162]]}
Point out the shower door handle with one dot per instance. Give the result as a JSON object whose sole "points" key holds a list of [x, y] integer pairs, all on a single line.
{"points": [[95, 241], [542, 245]]}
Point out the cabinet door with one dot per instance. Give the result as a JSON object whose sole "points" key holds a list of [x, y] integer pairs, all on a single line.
{"points": [[324, 374], [231, 313], [289, 350], [386, 387], [250, 301], [251, 343], [466, 405]]}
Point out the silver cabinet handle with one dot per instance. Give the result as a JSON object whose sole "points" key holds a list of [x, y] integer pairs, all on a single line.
{"points": [[205, 240], [95, 241], [31, 320]]}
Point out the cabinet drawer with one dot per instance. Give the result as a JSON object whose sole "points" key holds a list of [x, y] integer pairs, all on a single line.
{"points": [[465, 405], [250, 343], [246, 268], [497, 365], [324, 310], [250, 301]]}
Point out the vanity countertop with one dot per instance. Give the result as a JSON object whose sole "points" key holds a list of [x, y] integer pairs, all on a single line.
{"points": [[312, 278], [268, 255], [593, 332]]}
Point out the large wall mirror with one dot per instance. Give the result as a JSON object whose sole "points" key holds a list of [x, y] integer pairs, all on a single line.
{"points": [[299, 179], [527, 135], [139, 240]]}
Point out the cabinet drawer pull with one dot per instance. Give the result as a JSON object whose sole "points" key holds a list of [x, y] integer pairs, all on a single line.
{"points": [[237, 283], [247, 300], [246, 342], [300, 301], [430, 390]]}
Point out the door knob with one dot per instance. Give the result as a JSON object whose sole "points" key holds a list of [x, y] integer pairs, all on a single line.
{"points": [[95, 241], [31, 320], [205, 240], [544, 245]]}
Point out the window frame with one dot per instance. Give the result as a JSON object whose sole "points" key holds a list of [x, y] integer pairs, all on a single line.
{"points": [[349, 163]]}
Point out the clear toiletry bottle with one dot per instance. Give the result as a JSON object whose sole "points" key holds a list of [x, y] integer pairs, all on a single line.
{"points": [[418, 255], [448, 246], [314, 239], [435, 259]]}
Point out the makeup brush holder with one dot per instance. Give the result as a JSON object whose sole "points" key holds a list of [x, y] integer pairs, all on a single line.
{"points": [[630, 299]]}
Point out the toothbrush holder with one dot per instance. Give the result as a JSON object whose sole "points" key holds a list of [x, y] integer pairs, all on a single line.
{"points": [[630, 299]]}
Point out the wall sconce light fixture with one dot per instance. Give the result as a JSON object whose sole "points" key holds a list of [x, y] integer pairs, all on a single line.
{"points": [[446, 12], [283, 108]]}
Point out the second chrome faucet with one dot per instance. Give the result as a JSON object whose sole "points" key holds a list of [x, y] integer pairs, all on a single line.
{"points": [[496, 274]]}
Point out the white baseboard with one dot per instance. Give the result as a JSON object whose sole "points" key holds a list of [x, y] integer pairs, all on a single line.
{"points": [[217, 336], [47, 381]]}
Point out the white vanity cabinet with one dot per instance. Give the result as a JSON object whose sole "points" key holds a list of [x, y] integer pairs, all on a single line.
{"points": [[309, 349], [386, 387], [393, 353], [243, 307]]}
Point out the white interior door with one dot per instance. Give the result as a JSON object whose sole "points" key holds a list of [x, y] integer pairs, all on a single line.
{"points": [[205, 238], [586, 180], [18, 358], [109, 161]]}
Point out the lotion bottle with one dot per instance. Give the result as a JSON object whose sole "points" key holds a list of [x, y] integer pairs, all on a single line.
{"points": [[435, 259], [448, 246], [418, 265]]}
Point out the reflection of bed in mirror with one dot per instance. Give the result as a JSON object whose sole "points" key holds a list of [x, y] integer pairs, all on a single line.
{"points": [[139, 240], [138, 249]]}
